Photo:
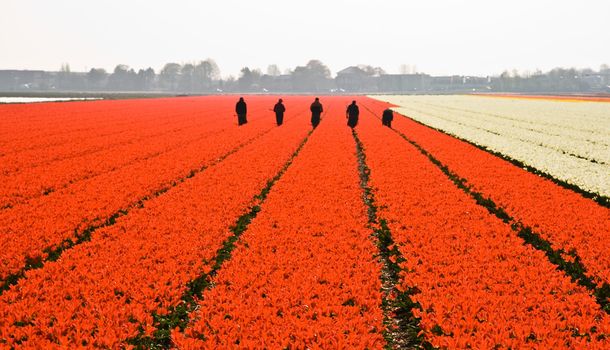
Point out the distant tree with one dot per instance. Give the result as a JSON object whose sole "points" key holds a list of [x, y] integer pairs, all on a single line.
{"points": [[273, 70], [205, 74], [558, 80], [122, 78], [245, 79], [65, 68], [229, 84], [200, 80], [169, 76], [212, 71], [249, 79], [96, 78], [187, 77], [504, 82], [586, 71], [145, 80], [121, 69], [64, 77], [605, 69], [318, 69], [564, 80]]}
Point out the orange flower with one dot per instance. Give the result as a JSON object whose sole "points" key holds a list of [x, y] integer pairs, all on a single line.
{"points": [[480, 285], [304, 274], [104, 290]]}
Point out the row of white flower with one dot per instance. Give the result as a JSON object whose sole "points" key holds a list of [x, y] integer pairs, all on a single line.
{"points": [[568, 140], [582, 144]]}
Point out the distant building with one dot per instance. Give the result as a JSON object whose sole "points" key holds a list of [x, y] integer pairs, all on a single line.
{"points": [[14, 80], [404, 82], [596, 81], [276, 83], [459, 83], [355, 79]]}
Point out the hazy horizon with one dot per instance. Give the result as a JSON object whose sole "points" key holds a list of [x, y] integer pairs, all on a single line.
{"points": [[438, 37]]}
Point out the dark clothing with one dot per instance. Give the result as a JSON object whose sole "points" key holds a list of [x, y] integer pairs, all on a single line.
{"points": [[279, 110], [316, 111], [315, 120], [241, 107], [242, 110], [387, 118], [352, 115]]}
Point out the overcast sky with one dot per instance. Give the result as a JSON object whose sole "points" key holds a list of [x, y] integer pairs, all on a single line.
{"points": [[472, 37]]}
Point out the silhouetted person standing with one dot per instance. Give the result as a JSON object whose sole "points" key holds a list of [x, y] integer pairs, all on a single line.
{"points": [[316, 111], [352, 115], [279, 110], [242, 110], [387, 117]]}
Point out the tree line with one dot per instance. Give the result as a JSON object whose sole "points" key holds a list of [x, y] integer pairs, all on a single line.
{"points": [[200, 77], [314, 76], [556, 80], [203, 76]]}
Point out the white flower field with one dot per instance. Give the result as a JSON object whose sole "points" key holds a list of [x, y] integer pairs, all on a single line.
{"points": [[568, 140]]}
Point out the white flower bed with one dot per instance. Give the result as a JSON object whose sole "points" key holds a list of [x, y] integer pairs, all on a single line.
{"points": [[568, 140]]}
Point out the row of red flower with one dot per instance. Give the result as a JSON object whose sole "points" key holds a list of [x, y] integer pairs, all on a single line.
{"points": [[304, 274], [36, 181], [478, 285], [47, 221], [101, 292], [569, 221], [32, 173], [38, 133], [87, 125]]}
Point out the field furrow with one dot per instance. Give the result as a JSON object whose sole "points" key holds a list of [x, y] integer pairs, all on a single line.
{"points": [[477, 284], [203, 115], [580, 163], [545, 126], [107, 290], [306, 265], [593, 151], [42, 125], [32, 230], [576, 226], [475, 222], [40, 180]]}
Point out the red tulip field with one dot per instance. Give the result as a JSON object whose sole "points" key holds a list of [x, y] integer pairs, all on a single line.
{"points": [[162, 224]]}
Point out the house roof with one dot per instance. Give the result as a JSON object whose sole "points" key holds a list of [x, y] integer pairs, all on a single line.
{"points": [[351, 70]]}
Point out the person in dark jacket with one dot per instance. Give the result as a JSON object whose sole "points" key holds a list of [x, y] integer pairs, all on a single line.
{"points": [[279, 110], [387, 117], [316, 111], [352, 115], [242, 110]]}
